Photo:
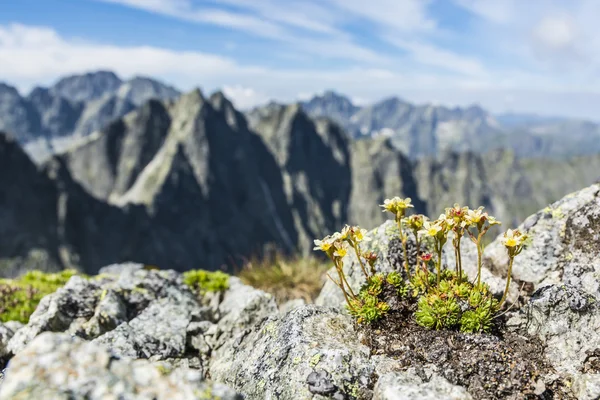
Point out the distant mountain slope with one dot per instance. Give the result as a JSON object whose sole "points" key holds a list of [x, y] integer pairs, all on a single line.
{"points": [[428, 130], [74, 107], [416, 130]]}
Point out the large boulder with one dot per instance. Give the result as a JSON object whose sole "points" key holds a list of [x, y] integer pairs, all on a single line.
{"points": [[5, 335], [242, 308], [138, 313], [564, 248], [134, 300], [567, 320], [409, 385], [59, 366], [309, 351]]}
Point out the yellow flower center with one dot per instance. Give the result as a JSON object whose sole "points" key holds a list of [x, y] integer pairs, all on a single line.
{"points": [[341, 252]]}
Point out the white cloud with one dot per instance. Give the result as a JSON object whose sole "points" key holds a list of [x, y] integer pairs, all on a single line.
{"points": [[272, 22], [30, 55], [38, 55], [499, 11], [434, 56], [399, 15], [556, 32], [183, 9]]}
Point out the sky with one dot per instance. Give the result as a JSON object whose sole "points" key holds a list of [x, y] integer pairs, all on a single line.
{"points": [[527, 56]]}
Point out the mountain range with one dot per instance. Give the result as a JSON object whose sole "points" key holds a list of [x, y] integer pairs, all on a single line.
{"points": [[429, 130], [189, 181], [48, 119]]}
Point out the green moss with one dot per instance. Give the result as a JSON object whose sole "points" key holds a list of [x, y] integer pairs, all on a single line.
{"points": [[202, 281], [20, 297], [557, 213], [314, 360], [270, 328], [163, 369], [207, 394]]}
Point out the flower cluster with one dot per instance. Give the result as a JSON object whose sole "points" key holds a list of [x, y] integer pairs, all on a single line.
{"points": [[445, 299], [337, 246], [397, 206], [514, 241]]}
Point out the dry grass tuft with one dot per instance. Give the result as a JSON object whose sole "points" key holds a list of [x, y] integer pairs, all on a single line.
{"points": [[286, 278]]}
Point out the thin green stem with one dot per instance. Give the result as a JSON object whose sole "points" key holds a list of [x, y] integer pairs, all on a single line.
{"points": [[460, 271], [418, 246], [341, 286], [439, 262], [510, 265], [479, 254], [426, 277], [456, 257], [343, 280], [404, 247], [362, 265]]}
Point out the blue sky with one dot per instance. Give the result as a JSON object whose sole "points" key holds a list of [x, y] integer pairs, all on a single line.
{"points": [[539, 56]]}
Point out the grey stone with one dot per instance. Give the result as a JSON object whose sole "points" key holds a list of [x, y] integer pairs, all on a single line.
{"points": [[587, 386], [291, 304], [13, 325], [140, 312], [58, 366], [110, 312], [242, 308], [565, 238], [158, 332], [566, 319], [5, 334], [408, 385], [60, 311], [275, 358], [118, 269]]}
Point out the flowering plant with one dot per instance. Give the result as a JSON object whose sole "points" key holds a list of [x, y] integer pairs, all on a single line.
{"points": [[445, 299]]}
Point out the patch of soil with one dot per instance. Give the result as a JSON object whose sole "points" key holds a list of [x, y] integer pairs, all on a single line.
{"points": [[500, 365]]}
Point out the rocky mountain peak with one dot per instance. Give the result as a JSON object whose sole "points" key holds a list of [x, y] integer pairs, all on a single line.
{"points": [[331, 104], [193, 99], [88, 86], [139, 89], [17, 115], [7, 90], [40, 97]]}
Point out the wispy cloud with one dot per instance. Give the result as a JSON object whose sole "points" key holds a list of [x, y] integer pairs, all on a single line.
{"points": [[504, 54], [269, 20], [30, 55]]}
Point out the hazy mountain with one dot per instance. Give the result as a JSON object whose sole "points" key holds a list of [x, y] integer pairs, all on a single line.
{"points": [[523, 120], [193, 182], [416, 130], [139, 90], [50, 119], [86, 87], [428, 130], [17, 114], [334, 106]]}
